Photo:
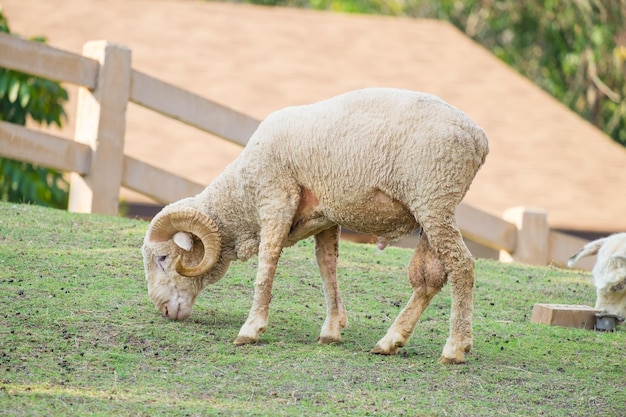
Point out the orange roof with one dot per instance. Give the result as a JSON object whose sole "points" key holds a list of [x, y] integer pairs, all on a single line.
{"points": [[259, 59]]}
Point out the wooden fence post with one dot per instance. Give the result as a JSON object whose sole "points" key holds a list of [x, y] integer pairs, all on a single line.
{"points": [[532, 244], [101, 124]]}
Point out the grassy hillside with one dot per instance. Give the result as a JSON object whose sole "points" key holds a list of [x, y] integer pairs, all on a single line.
{"points": [[79, 336]]}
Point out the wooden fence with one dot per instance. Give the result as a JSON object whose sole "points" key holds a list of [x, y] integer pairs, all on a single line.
{"points": [[99, 167]]}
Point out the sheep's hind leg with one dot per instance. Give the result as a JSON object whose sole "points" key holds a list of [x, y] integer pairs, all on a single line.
{"points": [[458, 263], [427, 277], [326, 252]]}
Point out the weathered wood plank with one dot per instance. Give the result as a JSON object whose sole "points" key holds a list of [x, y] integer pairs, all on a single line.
{"points": [[486, 229], [191, 109], [22, 144], [47, 62], [156, 183]]}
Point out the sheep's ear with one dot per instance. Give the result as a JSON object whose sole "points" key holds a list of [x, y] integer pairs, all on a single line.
{"points": [[620, 260], [589, 249], [183, 240]]}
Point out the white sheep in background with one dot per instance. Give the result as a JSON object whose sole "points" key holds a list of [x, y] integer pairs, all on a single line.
{"points": [[609, 272], [379, 161]]}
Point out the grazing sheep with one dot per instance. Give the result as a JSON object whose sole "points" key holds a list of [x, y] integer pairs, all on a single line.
{"points": [[609, 272], [379, 161]]}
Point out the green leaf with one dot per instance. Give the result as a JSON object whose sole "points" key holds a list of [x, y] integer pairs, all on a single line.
{"points": [[597, 35], [38, 39], [14, 89], [24, 95]]}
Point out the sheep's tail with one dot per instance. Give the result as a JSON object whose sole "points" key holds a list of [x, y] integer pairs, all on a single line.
{"points": [[589, 249]]}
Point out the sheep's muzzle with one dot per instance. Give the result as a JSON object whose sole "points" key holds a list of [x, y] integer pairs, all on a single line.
{"points": [[176, 311]]}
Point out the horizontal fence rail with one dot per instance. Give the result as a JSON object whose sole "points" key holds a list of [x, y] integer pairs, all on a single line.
{"points": [[486, 229], [40, 148], [191, 109], [156, 183], [522, 235], [47, 62]]}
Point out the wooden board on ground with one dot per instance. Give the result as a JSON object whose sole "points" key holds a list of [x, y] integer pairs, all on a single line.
{"points": [[580, 316]]}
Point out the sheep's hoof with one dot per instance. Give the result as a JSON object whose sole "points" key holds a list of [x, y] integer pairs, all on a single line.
{"points": [[327, 340], [388, 351], [451, 361], [453, 356], [389, 344], [244, 340]]}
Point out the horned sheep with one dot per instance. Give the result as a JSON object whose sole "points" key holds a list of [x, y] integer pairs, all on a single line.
{"points": [[386, 162], [609, 272]]}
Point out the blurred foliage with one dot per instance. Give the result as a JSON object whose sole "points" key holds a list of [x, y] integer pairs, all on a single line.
{"points": [[24, 97], [573, 49]]}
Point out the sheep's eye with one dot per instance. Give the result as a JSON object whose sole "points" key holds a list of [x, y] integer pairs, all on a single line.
{"points": [[161, 258]]}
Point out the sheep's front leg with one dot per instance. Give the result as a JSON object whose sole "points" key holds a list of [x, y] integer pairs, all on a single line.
{"points": [[272, 241], [326, 252]]}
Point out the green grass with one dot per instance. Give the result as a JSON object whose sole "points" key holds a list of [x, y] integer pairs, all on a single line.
{"points": [[79, 336]]}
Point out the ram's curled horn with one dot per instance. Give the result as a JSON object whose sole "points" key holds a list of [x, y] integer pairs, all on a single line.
{"points": [[198, 224]]}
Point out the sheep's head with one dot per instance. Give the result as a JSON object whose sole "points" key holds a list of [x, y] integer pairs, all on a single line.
{"points": [[609, 271], [180, 249]]}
